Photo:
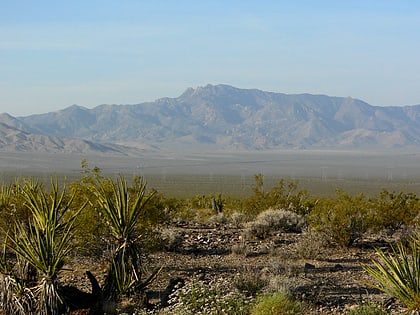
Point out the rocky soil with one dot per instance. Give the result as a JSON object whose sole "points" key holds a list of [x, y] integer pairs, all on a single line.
{"points": [[330, 280]]}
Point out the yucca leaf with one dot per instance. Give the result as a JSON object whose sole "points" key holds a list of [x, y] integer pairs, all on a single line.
{"points": [[398, 274]]}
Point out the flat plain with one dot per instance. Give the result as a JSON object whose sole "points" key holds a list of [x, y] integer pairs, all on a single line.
{"points": [[232, 173]]}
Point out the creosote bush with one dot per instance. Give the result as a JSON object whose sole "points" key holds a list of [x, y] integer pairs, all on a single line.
{"points": [[343, 219], [395, 209], [283, 196]]}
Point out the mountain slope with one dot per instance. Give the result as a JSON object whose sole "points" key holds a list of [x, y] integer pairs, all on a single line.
{"points": [[224, 117], [15, 140]]}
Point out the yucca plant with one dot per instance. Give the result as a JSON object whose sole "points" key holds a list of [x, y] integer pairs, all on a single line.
{"points": [[45, 242], [122, 216], [6, 193], [49, 210], [398, 273], [15, 297]]}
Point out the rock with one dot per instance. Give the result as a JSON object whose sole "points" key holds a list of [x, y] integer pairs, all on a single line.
{"points": [[308, 267]]}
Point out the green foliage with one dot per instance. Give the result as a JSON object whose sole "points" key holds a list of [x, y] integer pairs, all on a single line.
{"points": [[343, 219], [12, 205], [398, 273], [91, 232], [368, 309], [283, 196], [6, 196], [395, 209], [214, 202], [122, 215], [49, 210], [277, 304], [250, 282], [44, 244]]}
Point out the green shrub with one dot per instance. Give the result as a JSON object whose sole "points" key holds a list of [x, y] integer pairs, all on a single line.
{"points": [[12, 205], [277, 304], [311, 245], [394, 210], [283, 196], [343, 219], [249, 282], [368, 309]]}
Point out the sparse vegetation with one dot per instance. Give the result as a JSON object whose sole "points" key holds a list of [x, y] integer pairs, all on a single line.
{"points": [[208, 297], [277, 304], [118, 225], [368, 309]]}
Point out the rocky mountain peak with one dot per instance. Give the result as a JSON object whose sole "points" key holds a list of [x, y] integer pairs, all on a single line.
{"points": [[220, 117]]}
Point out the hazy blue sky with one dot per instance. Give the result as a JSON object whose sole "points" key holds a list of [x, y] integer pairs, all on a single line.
{"points": [[57, 53]]}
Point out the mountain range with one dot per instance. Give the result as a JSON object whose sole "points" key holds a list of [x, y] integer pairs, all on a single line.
{"points": [[216, 117]]}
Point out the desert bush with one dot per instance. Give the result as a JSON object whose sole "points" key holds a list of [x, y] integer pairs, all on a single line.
{"points": [[240, 248], [283, 196], [249, 281], [398, 273], [156, 209], [343, 219], [237, 218], [311, 245], [218, 218], [274, 220], [12, 205], [277, 304], [203, 215], [215, 297], [280, 283], [395, 210], [171, 239], [91, 237]]}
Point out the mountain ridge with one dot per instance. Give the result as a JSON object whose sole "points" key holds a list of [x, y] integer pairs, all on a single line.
{"points": [[223, 117]]}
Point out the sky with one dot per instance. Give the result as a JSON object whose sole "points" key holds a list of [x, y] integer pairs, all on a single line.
{"points": [[54, 54]]}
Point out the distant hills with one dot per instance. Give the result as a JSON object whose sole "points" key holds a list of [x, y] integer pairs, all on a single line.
{"points": [[216, 117]]}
